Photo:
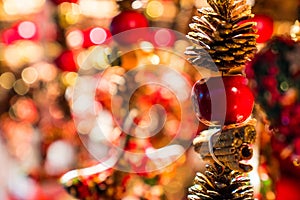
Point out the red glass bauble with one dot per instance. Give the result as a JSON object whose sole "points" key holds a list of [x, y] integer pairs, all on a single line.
{"points": [[210, 96], [57, 2], [264, 27], [66, 61], [129, 20], [95, 36]]}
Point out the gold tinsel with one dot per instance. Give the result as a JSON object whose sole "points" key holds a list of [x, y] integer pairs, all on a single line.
{"points": [[222, 41]]}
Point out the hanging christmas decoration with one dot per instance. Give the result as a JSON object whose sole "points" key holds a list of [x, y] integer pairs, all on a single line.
{"points": [[236, 88], [126, 21], [224, 103]]}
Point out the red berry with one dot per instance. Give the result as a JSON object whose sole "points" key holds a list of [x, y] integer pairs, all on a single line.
{"points": [[210, 96]]}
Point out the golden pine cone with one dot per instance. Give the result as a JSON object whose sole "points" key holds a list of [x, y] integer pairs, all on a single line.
{"points": [[220, 37]]}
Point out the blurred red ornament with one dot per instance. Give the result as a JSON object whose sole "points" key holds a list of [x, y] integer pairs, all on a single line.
{"points": [[95, 36], [66, 61], [10, 35], [239, 99], [287, 188], [129, 20], [25, 30], [57, 2], [264, 27]]}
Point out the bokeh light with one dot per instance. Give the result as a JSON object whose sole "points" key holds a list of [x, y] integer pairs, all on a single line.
{"points": [[29, 75], [95, 36], [25, 110], [21, 53], [75, 38], [155, 9], [164, 37], [69, 13], [146, 46], [98, 9], [18, 7], [27, 29], [98, 35], [60, 156], [46, 71], [154, 59], [69, 78], [21, 87], [7, 80], [137, 4]]}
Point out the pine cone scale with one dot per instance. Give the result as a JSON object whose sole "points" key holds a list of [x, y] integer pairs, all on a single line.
{"points": [[229, 43]]}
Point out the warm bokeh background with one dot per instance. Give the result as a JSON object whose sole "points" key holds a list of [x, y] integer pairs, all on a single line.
{"points": [[43, 43]]}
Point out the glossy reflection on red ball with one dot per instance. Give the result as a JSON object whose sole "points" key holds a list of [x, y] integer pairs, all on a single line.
{"points": [[209, 96]]}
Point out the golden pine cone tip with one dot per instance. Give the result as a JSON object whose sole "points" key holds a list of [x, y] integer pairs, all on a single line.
{"points": [[213, 185]]}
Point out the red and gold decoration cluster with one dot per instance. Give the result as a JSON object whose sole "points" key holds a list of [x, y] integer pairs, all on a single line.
{"points": [[224, 41]]}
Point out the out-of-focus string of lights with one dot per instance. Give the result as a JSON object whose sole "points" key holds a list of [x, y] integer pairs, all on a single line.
{"points": [[43, 44]]}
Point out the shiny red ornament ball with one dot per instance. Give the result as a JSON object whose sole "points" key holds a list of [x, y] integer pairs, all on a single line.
{"points": [[209, 99], [95, 36], [264, 27], [66, 61], [129, 20]]}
